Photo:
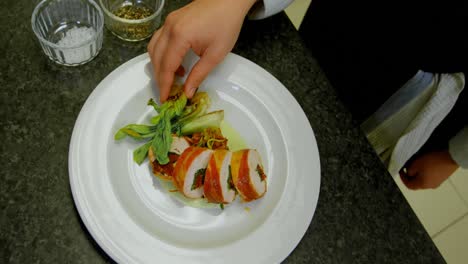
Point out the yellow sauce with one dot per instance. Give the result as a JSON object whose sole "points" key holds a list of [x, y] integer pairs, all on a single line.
{"points": [[235, 140]]}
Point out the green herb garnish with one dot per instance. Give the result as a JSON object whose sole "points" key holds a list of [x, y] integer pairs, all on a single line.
{"points": [[159, 134], [177, 115], [133, 31], [229, 180], [199, 179], [139, 154], [221, 206]]}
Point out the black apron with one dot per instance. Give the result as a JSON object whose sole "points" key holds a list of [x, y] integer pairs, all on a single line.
{"points": [[369, 49]]}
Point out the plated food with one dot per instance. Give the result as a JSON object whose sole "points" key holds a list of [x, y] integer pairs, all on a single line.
{"points": [[248, 175], [185, 146], [219, 187]]}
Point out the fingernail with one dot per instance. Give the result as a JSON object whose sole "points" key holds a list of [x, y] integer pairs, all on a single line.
{"points": [[192, 92]]}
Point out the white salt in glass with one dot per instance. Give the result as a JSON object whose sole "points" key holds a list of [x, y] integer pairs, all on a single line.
{"points": [[69, 31]]}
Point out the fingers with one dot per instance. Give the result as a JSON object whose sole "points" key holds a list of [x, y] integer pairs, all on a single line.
{"points": [[157, 50], [413, 168], [153, 41], [408, 175], [154, 48], [170, 65], [411, 182], [199, 72], [413, 175], [166, 52], [151, 48]]}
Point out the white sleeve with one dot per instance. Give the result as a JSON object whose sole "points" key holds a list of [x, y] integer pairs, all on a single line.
{"points": [[458, 148], [266, 8]]}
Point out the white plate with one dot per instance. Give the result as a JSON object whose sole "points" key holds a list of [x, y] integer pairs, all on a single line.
{"points": [[135, 221]]}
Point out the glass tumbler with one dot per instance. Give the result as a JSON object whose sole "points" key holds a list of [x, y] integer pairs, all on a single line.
{"points": [[132, 20], [69, 31]]}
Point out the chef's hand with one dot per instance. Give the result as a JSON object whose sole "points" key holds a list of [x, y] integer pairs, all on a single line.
{"points": [[209, 27], [429, 170]]}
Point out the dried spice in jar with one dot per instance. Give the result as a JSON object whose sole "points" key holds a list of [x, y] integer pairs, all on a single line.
{"points": [[135, 12]]}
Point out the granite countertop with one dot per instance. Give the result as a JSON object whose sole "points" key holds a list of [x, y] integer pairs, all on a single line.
{"points": [[361, 216]]}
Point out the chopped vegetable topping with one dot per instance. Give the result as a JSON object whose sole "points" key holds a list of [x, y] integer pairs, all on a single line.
{"points": [[199, 179], [229, 180], [260, 172]]}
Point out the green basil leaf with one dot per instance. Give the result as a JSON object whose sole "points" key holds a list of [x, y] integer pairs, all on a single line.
{"points": [[139, 154], [119, 135], [198, 174]]}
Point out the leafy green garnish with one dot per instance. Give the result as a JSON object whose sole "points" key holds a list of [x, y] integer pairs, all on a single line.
{"points": [[199, 104], [199, 174], [198, 124], [156, 107], [135, 131], [139, 154], [174, 116], [221, 206], [163, 138], [119, 135], [159, 134]]}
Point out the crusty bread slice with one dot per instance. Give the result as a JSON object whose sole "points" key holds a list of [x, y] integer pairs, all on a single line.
{"points": [[164, 172]]}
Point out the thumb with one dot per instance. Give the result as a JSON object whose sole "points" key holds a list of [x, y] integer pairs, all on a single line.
{"points": [[199, 72]]}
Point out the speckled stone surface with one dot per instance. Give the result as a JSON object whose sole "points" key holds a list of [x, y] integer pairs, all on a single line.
{"points": [[361, 215]]}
